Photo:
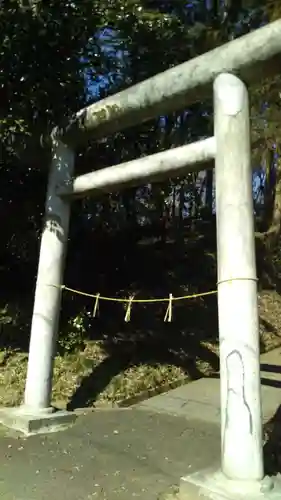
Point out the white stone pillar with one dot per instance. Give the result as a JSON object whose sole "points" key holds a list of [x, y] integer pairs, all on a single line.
{"points": [[241, 419], [47, 301]]}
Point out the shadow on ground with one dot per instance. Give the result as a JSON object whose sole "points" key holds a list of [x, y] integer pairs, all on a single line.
{"points": [[272, 370], [272, 447]]}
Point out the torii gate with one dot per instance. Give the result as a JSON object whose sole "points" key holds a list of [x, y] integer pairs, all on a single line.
{"points": [[250, 58]]}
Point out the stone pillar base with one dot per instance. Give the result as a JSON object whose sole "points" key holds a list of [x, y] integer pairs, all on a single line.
{"points": [[214, 485], [30, 422]]}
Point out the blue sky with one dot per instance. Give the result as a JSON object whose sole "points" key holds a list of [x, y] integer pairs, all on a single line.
{"points": [[107, 41]]}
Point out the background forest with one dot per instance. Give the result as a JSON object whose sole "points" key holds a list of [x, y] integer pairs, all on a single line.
{"points": [[56, 57]]}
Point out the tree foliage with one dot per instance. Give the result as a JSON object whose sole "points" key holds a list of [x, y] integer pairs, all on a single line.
{"points": [[56, 58]]}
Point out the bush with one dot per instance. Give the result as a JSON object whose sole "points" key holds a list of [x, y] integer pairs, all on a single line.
{"points": [[72, 337]]}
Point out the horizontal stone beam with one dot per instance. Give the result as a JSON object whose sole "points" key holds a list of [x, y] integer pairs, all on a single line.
{"points": [[252, 57], [171, 163]]}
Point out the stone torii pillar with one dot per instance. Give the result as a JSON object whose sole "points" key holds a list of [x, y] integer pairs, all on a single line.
{"points": [[241, 419], [241, 472], [36, 414]]}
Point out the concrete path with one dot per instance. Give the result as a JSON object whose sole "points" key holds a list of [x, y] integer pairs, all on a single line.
{"points": [[111, 454], [139, 452], [200, 400]]}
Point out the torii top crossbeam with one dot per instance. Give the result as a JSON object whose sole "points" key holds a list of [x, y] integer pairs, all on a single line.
{"points": [[251, 57]]}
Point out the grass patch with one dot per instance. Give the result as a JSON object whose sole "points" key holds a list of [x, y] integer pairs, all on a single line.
{"points": [[71, 369], [104, 379]]}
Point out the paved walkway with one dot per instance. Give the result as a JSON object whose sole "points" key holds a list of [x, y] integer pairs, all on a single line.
{"points": [[201, 399], [116, 454], [139, 452]]}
